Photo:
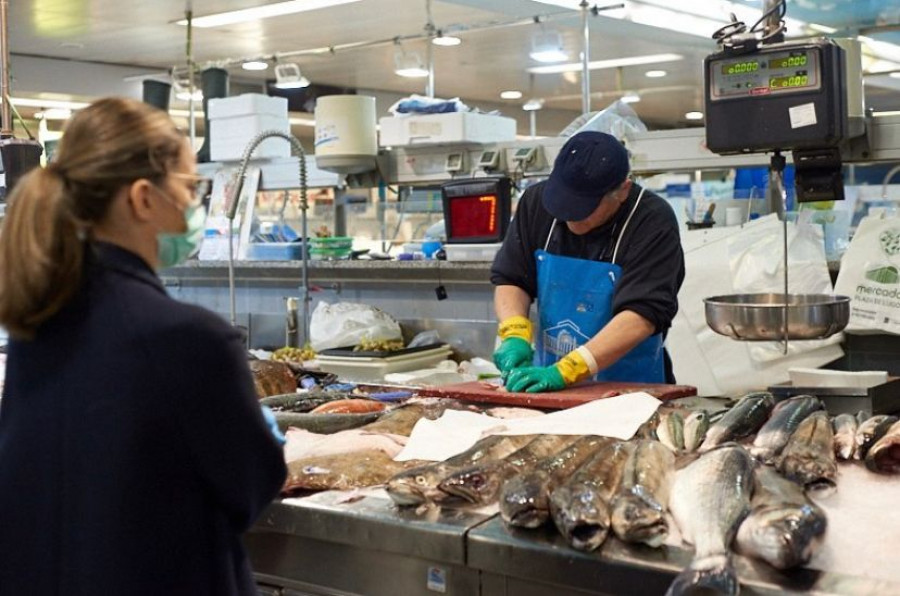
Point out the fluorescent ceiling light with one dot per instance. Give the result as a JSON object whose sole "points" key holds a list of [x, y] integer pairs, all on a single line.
{"points": [[895, 75], [549, 56], [533, 104], [882, 49], [54, 114], [631, 97], [261, 12], [601, 64], [547, 46], [694, 115], [186, 95], [48, 103], [655, 74], [409, 65], [446, 40], [255, 65], [511, 95], [288, 76]]}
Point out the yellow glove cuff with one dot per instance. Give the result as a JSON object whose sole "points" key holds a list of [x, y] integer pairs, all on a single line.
{"points": [[517, 326], [577, 365]]}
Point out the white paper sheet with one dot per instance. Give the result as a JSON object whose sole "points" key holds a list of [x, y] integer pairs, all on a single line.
{"points": [[455, 431]]}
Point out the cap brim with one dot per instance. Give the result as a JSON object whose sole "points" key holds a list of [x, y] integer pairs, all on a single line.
{"points": [[565, 204]]}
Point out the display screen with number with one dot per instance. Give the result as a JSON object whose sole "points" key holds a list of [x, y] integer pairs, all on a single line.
{"points": [[475, 216], [796, 80], [740, 67]]}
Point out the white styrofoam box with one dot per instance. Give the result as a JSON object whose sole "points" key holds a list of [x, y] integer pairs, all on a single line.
{"points": [[454, 127], [820, 377], [472, 252], [361, 369], [279, 172], [234, 121]]}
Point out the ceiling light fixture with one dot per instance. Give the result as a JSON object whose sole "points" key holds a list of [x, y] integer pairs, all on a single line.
{"points": [[261, 12], [409, 64], [446, 40], [630, 97], [185, 95], [894, 75], [255, 65], [288, 76], [694, 115], [26, 102], [547, 46], [655, 74], [602, 64], [54, 114], [511, 94], [533, 104]]}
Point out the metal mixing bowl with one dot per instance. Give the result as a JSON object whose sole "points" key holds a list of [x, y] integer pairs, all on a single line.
{"points": [[760, 317]]}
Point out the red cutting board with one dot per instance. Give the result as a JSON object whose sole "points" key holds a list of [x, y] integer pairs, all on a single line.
{"points": [[569, 397]]}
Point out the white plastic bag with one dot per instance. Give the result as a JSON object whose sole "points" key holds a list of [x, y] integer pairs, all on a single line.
{"points": [[345, 324], [870, 276]]}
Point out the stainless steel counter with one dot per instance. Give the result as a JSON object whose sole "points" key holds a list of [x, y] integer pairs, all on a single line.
{"points": [[318, 546]]}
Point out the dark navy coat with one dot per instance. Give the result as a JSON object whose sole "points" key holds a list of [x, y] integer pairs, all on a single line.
{"points": [[133, 453]]}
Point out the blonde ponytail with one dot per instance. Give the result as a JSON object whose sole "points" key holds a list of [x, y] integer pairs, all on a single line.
{"points": [[40, 252]]}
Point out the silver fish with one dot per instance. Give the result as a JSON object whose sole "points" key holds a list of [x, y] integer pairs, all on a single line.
{"points": [[695, 427], [884, 455], [421, 484], [808, 458], [862, 416], [870, 431], [580, 506], [481, 484], [844, 427], [710, 498], [744, 419], [525, 498], [784, 527], [785, 418], [670, 431], [639, 508]]}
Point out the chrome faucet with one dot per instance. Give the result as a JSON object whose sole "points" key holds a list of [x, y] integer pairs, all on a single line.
{"points": [[296, 150], [887, 179]]}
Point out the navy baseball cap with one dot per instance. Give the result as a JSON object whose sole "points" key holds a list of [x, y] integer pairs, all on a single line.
{"points": [[588, 166]]}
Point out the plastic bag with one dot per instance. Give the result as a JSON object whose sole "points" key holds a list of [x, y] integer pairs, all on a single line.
{"points": [[870, 276], [420, 104], [618, 120], [345, 324]]}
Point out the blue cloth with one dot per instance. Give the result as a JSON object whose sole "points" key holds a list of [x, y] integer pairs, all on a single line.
{"points": [[575, 297], [133, 452], [269, 417]]}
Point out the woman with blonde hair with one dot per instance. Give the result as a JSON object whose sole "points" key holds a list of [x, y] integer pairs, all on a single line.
{"points": [[133, 452]]}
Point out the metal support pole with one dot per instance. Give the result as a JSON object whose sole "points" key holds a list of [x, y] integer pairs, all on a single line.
{"points": [[532, 123], [585, 60], [429, 51], [6, 124], [192, 124]]}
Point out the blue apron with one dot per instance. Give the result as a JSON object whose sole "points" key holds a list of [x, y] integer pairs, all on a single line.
{"points": [[575, 298]]}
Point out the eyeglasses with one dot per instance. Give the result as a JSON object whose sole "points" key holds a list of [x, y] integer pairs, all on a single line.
{"points": [[200, 186]]}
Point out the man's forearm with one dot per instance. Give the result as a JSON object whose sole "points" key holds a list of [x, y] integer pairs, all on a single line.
{"points": [[511, 301], [623, 332]]}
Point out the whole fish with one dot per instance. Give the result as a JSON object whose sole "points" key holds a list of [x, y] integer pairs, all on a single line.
{"points": [[695, 427], [744, 419], [884, 455], [808, 457], [580, 506], [525, 498], [324, 423], [844, 427], [786, 417], [399, 421], [870, 431], [648, 429], [481, 484], [670, 430], [710, 498], [784, 527], [421, 484], [302, 402], [342, 471], [639, 508]]}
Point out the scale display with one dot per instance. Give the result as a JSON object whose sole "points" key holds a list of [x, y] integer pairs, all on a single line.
{"points": [[765, 74], [476, 210], [474, 216]]}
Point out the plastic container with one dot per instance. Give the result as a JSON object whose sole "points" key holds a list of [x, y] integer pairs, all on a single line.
{"points": [[454, 127], [275, 251], [367, 369], [346, 134], [332, 247]]}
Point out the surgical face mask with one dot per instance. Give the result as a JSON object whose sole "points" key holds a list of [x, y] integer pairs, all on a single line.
{"points": [[174, 249]]}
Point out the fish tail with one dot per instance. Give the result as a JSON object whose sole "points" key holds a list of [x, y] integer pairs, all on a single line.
{"points": [[712, 573]]}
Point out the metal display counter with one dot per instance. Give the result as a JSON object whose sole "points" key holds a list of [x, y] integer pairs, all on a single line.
{"points": [[370, 547]]}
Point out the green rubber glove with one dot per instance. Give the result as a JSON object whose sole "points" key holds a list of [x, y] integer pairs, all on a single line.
{"points": [[513, 353], [535, 379]]}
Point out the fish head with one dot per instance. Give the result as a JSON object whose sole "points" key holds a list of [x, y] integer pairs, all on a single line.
{"points": [[581, 516], [414, 487], [476, 485], [636, 519], [523, 500], [784, 535], [814, 474]]}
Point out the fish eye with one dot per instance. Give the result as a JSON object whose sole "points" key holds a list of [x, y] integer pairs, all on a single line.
{"points": [[420, 479]]}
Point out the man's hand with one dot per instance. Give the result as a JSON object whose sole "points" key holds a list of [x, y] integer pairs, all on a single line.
{"points": [[535, 379], [513, 353]]}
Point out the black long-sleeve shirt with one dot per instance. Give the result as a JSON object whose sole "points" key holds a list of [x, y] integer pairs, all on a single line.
{"points": [[650, 253]]}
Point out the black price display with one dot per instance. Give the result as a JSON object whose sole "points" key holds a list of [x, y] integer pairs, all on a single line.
{"points": [[789, 61], [734, 68], [789, 82]]}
